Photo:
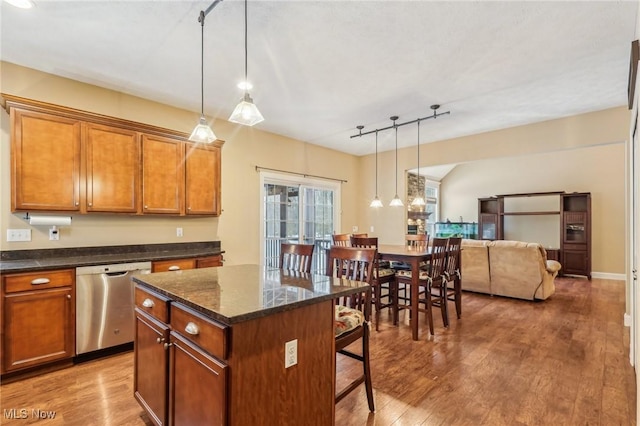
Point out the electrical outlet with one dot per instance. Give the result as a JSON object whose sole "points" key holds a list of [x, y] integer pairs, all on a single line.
{"points": [[291, 353], [54, 233], [178, 232], [371, 229], [18, 234], [354, 229]]}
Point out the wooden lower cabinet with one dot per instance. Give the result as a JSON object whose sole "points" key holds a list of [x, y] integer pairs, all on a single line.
{"points": [[151, 360], [197, 385], [38, 319], [187, 263], [234, 374]]}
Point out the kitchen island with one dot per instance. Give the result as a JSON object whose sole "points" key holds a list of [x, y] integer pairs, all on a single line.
{"points": [[237, 345]]}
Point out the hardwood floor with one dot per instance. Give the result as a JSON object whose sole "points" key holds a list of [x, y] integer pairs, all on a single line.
{"points": [[564, 361]]}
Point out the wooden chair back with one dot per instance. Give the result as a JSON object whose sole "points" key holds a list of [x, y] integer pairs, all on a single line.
{"points": [[417, 242], [342, 240], [364, 241], [438, 258], [453, 257], [296, 257], [353, 263]]}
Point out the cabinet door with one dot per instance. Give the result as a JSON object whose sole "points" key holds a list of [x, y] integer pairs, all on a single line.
{"points": [[113, 167], [151, 367], [202, 180], [45, 166], [162, 175], [197, 386], [38, 327], [575, 262], [488, 226]]}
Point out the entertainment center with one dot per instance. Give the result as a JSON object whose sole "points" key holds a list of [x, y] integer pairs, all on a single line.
{"points": [[573, 248]]}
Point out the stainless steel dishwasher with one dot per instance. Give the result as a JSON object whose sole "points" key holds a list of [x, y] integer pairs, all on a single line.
{"points": [[105, 305]]}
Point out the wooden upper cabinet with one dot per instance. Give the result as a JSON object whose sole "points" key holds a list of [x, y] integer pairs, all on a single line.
{"points": [[66, 160], [45, 166], [162, 175], [113, 169], [202, 190]]}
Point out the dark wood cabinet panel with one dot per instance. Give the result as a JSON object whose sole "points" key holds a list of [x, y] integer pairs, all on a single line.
{"points": [[113, 169], [203, 174], [162, 175], [209, 261], [38, 325], [197, 385], [151, 363], [490, 218], [576, 234], [45, 166]]}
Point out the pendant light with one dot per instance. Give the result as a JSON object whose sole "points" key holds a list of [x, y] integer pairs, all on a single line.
{"points": [[246, 112], [376, 203], [202, 132], [418, 200], [396, 202]]}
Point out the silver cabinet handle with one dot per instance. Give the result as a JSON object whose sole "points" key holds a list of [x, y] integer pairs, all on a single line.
{"points": [[174, 268], [148, 303], [69, 296], [192, 329], [90, 204], [160, 340], [40, 281]]}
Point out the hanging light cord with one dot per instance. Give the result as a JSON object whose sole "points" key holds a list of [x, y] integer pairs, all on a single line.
{"points": [[201, 19], [394, 125], [246, 82], [376, 163], [419, 193]]}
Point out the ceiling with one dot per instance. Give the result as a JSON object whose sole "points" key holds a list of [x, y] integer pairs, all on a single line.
{"points": [[319, 68]]}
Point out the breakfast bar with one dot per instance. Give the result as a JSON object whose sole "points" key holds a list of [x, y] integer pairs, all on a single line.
{"points": [[238, 345]]}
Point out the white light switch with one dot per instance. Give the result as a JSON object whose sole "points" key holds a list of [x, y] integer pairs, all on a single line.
{"points": [[291, 353], [18, 234]]}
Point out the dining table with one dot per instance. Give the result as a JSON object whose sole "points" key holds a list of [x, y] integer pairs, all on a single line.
{"points": [[413, 257]]}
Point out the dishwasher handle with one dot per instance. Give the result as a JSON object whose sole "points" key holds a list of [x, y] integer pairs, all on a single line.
{"points": [[116, 274]]}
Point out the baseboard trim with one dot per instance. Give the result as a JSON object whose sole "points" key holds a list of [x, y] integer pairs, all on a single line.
{"points": [[627, 320], [609, 276]]}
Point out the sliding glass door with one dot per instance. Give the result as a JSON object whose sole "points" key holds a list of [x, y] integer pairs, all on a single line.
{"points": [[298, 211]]}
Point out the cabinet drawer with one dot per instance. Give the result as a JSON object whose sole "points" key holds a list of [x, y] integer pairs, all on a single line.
{"points": [[575, 247], [209, 261], [39, 280], [173, 265], [209, 335], [152, 303]]}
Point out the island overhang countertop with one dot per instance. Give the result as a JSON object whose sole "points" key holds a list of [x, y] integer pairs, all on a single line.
{"points": [[232, 294]]}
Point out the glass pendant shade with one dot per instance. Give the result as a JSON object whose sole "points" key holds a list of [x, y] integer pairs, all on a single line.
{"points": [[246, 112], [418, 201], [202, 132], [376, 203], [396, 202]]}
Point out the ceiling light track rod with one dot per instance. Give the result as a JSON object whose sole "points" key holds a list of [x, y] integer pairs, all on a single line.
{"points": [[395, 125], [208, 10]]}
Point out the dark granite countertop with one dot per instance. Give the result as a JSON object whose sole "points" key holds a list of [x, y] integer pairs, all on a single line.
{"points": [[232, 294], [35, 260]]}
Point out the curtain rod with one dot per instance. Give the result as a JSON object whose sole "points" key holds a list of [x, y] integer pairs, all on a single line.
{"points": [[300, 174]]}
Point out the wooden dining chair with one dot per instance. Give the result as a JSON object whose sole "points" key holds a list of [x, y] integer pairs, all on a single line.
{"points": [[353, 315], [431, 273], [296, 257], [453, 274], [436, 282], [384, 278], [342, 240], [418, 242]]}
